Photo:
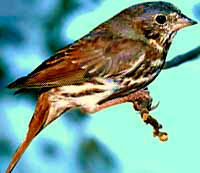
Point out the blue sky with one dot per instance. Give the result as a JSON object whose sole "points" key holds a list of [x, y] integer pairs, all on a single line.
{"points": [[120, 127]]}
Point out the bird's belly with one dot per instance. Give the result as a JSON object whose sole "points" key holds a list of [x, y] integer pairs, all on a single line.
{"points": [[85, 96], [92, 93]]}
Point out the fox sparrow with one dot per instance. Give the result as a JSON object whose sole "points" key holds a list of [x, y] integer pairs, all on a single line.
{"points": [[111, 65]]}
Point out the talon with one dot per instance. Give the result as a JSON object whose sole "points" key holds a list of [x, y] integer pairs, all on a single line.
{"points": [[154, 106]]}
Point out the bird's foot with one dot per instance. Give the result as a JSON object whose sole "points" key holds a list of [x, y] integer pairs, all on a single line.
{"points": [[143, 104]]}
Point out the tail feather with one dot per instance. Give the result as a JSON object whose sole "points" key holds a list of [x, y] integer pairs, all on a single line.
{"points": [[18, 83], [36, 125]]}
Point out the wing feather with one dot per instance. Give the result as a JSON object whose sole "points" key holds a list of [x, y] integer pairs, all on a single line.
{"points": [[103, 56]]}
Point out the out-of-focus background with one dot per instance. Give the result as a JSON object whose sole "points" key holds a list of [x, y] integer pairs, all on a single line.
{"points": [[115, 139]]}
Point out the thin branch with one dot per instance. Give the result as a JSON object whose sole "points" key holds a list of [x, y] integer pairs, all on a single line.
{"points": [[180, 59]]}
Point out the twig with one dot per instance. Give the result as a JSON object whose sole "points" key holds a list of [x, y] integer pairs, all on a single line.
{"points": [[180, 59]]}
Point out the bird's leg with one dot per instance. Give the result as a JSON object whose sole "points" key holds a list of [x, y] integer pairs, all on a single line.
{"points": [[142, 102], [143, 93]]}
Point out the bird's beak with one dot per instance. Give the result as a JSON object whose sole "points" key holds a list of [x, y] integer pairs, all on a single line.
{"points": [[182, 22]]}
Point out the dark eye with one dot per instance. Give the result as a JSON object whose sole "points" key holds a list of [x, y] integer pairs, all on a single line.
{"points": [[161, 19]]}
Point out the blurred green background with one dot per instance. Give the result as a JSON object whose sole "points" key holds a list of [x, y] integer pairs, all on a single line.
{"points": [[114, 140]]}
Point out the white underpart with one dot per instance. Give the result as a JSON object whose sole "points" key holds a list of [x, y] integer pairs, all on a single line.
{"points": [[107, 85], [59, 102]]}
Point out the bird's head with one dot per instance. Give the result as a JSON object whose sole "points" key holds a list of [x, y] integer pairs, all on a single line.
{"points": [[155, 21], [158, 21]]}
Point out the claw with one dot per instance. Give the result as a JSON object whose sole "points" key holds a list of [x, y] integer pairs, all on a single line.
{"points": [[155, 105], [143, 104]]}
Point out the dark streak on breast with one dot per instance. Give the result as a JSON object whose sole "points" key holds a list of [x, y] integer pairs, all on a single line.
{"points": [[83, 93]]}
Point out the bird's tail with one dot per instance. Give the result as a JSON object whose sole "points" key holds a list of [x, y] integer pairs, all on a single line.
{"points": [[36, 125]]}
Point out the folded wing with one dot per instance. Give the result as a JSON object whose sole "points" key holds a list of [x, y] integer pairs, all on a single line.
{"points": [[101, 56]]}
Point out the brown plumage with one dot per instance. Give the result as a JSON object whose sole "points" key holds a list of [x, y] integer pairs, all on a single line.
{"points": [[106, 67]]}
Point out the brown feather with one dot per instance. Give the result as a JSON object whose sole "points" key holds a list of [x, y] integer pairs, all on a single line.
{"points": [[36, 125], [83, 60]]}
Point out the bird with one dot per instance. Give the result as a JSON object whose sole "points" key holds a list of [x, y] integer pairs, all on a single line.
{"points": [[118, 58]]}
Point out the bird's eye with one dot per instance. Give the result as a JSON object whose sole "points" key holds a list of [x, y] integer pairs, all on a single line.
{"points": [[161, 19]]}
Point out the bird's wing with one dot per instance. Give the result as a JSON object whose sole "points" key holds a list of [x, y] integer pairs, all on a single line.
{"points": [[89, 57]]}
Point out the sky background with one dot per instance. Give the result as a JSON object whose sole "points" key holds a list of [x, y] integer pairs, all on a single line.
{"points": [[112, 140]]}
